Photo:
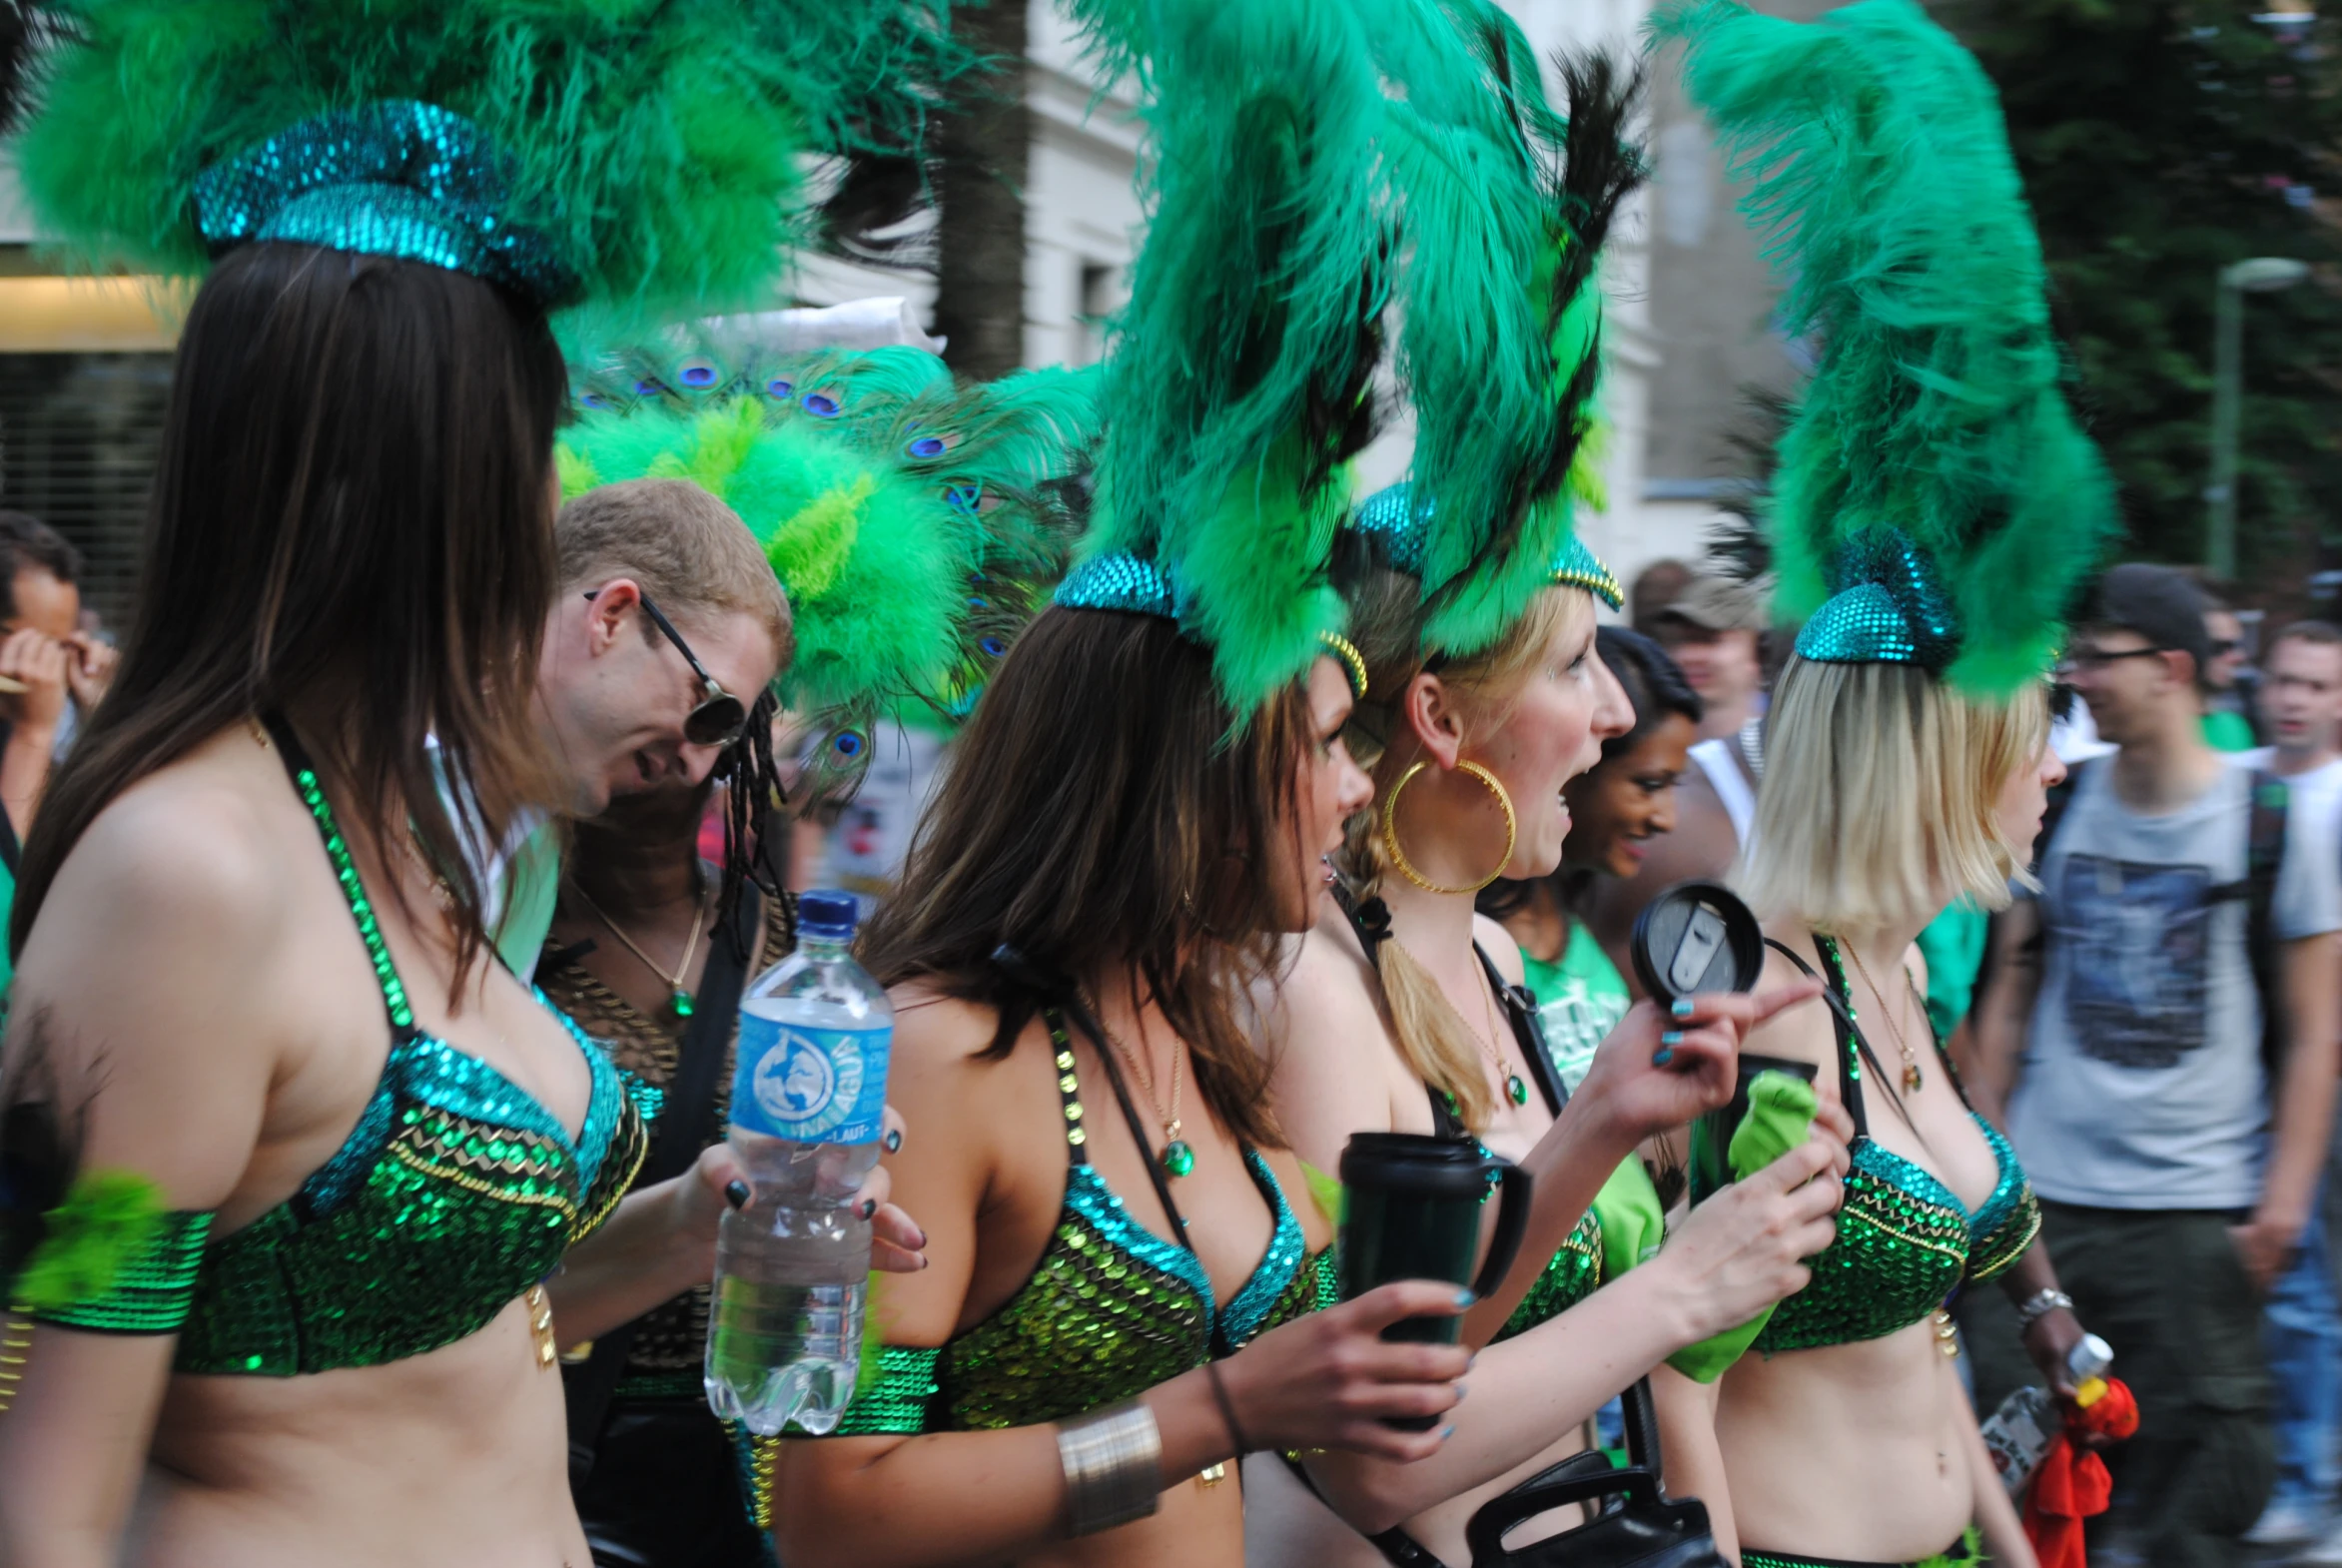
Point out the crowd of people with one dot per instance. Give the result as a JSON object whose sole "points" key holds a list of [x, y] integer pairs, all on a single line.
{"points": [[379, 921]]}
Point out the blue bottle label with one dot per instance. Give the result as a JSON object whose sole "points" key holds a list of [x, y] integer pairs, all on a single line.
{"points": [[810, 1086]]}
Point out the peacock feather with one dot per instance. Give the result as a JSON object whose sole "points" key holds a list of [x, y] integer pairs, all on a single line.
{"points": [[915, 523]]}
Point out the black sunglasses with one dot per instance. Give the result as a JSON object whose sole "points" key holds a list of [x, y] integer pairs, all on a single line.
{"points": [[721, 717], [2093, 657]]}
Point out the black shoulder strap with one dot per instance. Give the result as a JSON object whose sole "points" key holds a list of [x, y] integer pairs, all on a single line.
{"points": [[2264, 860], [1371, 921], [1520, 1007], [686, 1126], [1849, 1038]]}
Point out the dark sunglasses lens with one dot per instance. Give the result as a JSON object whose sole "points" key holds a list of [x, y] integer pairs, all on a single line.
{"points": [[716, 722], [2062, 700]]}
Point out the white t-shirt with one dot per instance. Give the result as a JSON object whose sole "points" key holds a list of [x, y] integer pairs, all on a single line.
{"points": [[2316, 793], [2144, 1085]]}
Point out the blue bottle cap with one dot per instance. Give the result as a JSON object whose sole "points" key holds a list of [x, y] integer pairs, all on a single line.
{"points": [[828, 913]]}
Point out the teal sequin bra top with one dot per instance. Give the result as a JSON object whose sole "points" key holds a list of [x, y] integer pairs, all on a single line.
{"points": [[455, 1192], [1905, 1242], [1112, 1311]]}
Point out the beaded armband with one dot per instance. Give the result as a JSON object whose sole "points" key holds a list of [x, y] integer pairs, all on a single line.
{"points": [[150, 1290], [895, 1399]]}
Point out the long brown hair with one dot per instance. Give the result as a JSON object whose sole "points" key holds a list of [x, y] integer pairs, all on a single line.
{"points": [[352, 524], [1098, 819]]}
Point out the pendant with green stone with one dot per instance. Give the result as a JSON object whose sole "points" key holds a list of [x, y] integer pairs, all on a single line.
{"points": [[1177, 1158], [682, 1002]]}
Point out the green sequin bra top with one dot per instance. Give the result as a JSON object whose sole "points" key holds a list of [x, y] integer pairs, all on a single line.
{"points": [[1112, 1311], [455, 1192], [1905, 1240]]}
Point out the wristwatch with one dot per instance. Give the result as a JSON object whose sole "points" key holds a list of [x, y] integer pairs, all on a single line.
{"points": [[2040, 1305]]}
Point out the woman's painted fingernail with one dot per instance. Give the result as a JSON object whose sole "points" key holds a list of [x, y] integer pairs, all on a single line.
{"points": [[1673, 1037], [894, 1140], [1464, 1298], [1446, 1432], [1663, 1055], [737, 1193], [1460, 1392], [869, 1207], [1680, 1007], [922, 1241]]}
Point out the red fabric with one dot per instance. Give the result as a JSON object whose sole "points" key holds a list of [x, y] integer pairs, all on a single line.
{"points": [[2073, 1484]]}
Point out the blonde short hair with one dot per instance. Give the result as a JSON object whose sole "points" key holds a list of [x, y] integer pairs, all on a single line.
{"points": [[1880, 796], [688, 551]]}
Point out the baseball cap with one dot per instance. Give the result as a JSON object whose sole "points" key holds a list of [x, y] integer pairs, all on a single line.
{"points": [[1715, 603], [2157, 603]]}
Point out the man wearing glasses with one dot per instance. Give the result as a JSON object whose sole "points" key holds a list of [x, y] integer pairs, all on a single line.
{"points": [[668, 625], [2176, 1147]]}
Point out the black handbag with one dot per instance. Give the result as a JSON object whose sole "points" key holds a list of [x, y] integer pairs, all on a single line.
{"points": [[1636, 1524]]}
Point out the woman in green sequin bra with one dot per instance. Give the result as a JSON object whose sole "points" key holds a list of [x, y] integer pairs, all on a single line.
{"points": [[1935, 509], [1107, 1205], [1357, 1049]]}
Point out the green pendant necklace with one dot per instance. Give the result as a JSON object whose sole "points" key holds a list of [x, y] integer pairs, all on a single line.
{"points": [[678, 997], [1178, 1156]]}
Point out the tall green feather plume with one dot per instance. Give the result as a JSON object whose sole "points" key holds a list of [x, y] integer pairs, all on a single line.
{"points": [[1236, 385], [914, 523], [657, 143], [1882, 184], [1501, 355]]}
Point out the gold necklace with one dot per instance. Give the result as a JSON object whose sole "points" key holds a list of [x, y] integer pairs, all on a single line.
{"points": [[1515, 1089], [1911, 1057], [1178, 1156], [680, 998]]}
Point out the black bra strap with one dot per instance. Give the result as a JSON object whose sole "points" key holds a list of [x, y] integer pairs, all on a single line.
{"points": [[1521, 1009], [1113, 1076], [1850, 1087]]}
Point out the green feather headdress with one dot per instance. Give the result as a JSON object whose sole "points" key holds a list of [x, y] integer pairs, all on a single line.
{"points": [[1935, 502], [632, 154], [1236, 386], [1505, 205], [914, 523]]}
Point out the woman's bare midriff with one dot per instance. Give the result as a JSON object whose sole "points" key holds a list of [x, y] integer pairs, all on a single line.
{"points": [[1852, 1451], [367, 1465]]}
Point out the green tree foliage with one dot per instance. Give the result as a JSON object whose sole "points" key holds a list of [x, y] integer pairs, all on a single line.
{"points": [[2160, 140]]}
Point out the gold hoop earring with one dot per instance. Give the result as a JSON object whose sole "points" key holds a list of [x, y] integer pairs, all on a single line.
{"points": [[1399, 857]]}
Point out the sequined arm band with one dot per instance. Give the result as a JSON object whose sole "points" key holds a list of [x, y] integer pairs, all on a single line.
{"points": [[895, 1401], [150, 1291], [1112, 1464]]}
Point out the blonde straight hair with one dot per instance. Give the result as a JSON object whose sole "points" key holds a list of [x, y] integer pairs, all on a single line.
{"points": [[1386, 617], [1880, 795]]}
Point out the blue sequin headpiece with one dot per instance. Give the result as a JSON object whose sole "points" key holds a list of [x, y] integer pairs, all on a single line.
{"points": [[1118, 580], [396, 178], [1401, 530], [1888, 607]]}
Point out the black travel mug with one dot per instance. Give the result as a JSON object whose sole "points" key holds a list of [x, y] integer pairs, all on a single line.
{"points": [[1412, 1211]]}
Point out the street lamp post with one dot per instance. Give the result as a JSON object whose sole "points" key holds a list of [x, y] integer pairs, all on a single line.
{"points": [[2260, 274]]}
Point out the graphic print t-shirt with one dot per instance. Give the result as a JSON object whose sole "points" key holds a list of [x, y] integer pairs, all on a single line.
{"points": [[2144, 1084], [1580, 998]]}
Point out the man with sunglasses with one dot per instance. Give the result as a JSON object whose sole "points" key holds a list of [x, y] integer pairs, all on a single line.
{"points": [[2176, 1146], [667, 627]]}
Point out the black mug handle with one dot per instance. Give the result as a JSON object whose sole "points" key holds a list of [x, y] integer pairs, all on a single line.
{"points": [[1512, 1222]]}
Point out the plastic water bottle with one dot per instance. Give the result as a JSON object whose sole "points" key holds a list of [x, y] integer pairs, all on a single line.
{"points": [[784, 1340], [2019, 1433]]}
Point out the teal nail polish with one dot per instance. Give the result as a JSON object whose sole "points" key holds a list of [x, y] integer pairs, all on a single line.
{"points": [[1446, 1432], [1673, 1037], [1464, 1298], [1663, 1055], [1680, 1007]]}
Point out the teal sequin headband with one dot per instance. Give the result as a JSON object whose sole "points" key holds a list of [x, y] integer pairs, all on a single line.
{"points": [[1120, 581], [396, 178], [1888, 608], [1401, 530]]}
